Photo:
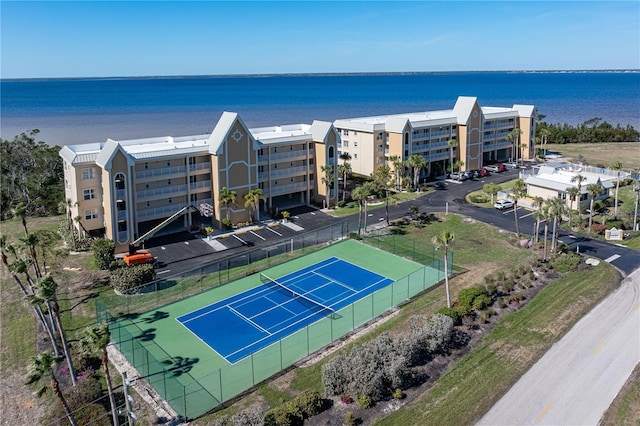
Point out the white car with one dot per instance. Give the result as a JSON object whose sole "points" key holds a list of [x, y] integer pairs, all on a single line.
{"points": [[504, 204]]}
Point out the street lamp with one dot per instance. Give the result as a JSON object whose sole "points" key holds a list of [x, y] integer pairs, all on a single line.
{"points": [[636, 189]]}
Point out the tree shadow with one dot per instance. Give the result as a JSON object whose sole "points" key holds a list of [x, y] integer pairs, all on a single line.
{"points": [[179, 365], [147, 335], [156, 316]]}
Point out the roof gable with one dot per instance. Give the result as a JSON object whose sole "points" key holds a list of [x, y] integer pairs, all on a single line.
{"points": [[109, 151], [464, 107], [222, 129], [320, 130]]}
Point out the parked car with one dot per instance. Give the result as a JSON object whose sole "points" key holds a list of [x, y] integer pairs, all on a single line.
{"points": [[478, 173], [511, 165], [493, 168], [140, 257], [504, 204], [459, 176]]}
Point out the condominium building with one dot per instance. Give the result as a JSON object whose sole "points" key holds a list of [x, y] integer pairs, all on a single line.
{"points": [[123, 189], [479, 135]]}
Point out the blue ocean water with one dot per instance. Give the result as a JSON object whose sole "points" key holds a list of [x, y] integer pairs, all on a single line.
{"points": [[92, 110]]}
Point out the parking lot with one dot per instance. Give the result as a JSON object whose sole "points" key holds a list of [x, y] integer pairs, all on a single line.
{"points": [[180, 252]]}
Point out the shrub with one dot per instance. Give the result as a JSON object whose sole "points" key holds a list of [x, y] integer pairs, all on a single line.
{"points": [[129, 278], [287, 414], [350, 419], [342, 203], [103, 253], [501, 303], [598, 228], [481, 302], [466, 298], [346, 399], [365, 401], [226, 223], [483, 317], [397, 394], [451, 313], [310, 403], [251, 416], [566, 262]]}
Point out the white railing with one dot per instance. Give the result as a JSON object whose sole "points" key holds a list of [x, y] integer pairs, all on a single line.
{"points": [[165, 171], [287, 155], [278, 173], [162, 192], [204, 184], [286, 189], [200, 166]]}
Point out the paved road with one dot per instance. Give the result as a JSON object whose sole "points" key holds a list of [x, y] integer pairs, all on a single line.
{"points": [[577, 379]]}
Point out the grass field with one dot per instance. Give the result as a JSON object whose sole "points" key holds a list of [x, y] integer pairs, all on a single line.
{"points": [[628, 153], [475, 383]]}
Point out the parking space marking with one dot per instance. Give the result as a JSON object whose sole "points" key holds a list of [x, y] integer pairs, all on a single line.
{"points": [[259, 236], [275, 232]]}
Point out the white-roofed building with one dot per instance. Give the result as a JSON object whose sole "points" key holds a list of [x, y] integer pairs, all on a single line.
{"points": [[553, 181], [480, 134], [122, 189]]}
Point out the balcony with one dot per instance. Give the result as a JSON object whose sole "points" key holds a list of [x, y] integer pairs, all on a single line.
{"points": [[198, 167], [204, 185], [277, 157], [164, 172], [288, 189], [162, 192], [168, 210], [121, 194], [280, 173]]}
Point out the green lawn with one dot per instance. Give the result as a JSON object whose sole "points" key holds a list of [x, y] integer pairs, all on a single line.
{"points": [[475, 383]]}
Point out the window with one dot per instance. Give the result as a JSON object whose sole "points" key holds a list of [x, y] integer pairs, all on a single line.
{"points": [[88, 174], [90, 214], [345, 132], [88, 194], [345, 144], [170, 200], [355, 156], [168, 163], [355, 144], [355, 133], [146, 166]]}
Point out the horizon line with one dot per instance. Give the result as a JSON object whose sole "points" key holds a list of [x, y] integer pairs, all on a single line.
{"points": [[322, 74]]}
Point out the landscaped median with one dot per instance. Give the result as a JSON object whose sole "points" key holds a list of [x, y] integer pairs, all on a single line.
{"points": [[480, 379]]}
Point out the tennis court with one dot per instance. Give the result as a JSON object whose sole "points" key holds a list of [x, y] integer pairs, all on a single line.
{"points": [[243, 324], [198, 353]]}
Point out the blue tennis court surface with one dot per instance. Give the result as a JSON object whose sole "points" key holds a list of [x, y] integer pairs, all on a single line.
{"points": [[245, 323]]}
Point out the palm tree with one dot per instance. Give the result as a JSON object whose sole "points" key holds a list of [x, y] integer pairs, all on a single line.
{"points": [[518, 191], [227, 198], [617, 166], [40, 367], [557, 208], [381, 180], [547, 216], [17, 267], [574, 193], [31, 241], [593, 189], [20, 210], [78, 220], [458, 166], [345, 170], [252, 202], [452, 144], [514, 137], [361, 194], [327, 180], [578, 178], [417, 162], [444, 240], [544, 136], [46, 292], [537, 204], [398, 166], [97, 338]]}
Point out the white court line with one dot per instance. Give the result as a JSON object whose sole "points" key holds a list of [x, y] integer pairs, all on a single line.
{"points": [[612, 258], [247, 319]]}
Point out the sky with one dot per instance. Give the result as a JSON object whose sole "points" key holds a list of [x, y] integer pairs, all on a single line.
{"points": [[52, 39]]}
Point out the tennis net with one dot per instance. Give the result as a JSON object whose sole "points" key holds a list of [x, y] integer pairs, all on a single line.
{"points": [[294, 294]]}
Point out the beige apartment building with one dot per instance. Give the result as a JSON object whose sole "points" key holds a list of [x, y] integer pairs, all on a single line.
{"points": [[480, 135], [124, 189]]}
